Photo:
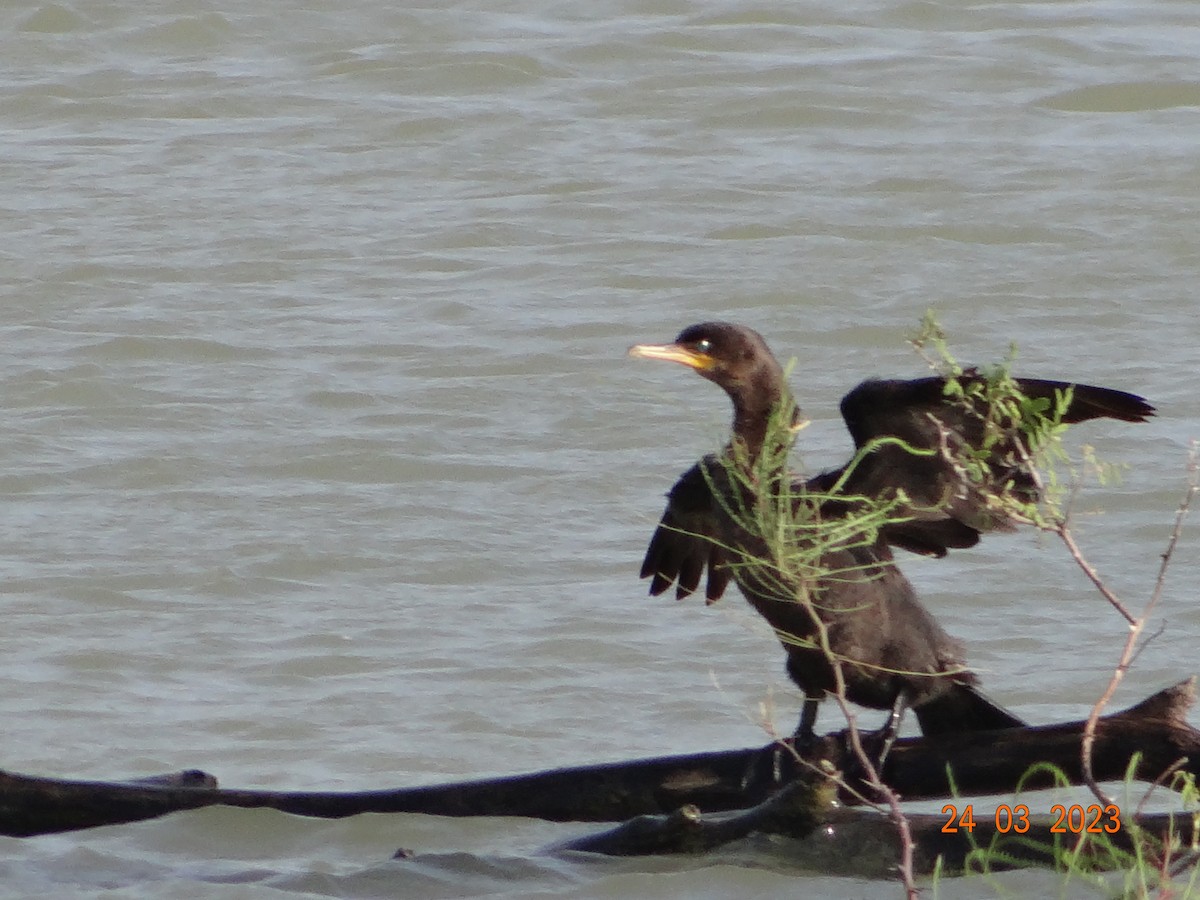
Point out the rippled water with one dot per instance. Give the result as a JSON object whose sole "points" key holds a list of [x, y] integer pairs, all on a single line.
{"points": [[323, 465]]}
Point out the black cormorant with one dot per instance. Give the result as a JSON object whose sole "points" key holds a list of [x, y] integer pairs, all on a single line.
{"points": [[893, 654]]}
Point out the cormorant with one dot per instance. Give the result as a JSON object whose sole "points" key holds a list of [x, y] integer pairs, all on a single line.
{"points": [[893, 653]]}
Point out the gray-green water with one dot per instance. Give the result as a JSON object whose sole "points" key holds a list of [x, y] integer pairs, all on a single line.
{"points": [[322, 463]]}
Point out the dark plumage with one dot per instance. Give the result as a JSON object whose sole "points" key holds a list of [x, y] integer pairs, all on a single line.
{"points": [[894, 653]]}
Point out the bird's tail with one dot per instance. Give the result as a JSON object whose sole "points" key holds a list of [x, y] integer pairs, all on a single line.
{"points": [[965, 708]]}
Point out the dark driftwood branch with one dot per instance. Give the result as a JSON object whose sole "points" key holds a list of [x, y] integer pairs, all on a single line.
{"points": [[795, 810], [30, 806], [865, 843], [601, 793], [994, 762], [714, 782]]}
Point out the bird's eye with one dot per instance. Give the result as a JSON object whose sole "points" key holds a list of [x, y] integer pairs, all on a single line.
{"points": [[704, 345]]}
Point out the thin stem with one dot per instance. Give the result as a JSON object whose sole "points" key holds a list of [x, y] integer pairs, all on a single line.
{"points": [[1137, 625]]}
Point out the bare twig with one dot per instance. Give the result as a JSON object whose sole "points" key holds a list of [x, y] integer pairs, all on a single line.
{"points": [[1138, 625], [1061, 529], [870, 770]]}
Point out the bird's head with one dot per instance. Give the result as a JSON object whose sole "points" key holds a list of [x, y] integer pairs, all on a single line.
{"points": [[732, 356]]}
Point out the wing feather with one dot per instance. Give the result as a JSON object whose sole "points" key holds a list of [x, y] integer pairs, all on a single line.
{"points": [[686, 544]]}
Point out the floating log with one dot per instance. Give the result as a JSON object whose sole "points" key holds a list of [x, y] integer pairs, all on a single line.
{"points": [[982, 763], [864, 843], [996, 762], [31, 806], [795, 810]]}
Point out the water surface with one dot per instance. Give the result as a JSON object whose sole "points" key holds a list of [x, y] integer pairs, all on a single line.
{"points": [[324, 467]]}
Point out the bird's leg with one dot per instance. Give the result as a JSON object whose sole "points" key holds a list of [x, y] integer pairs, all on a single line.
{"points": [[782, 758], [891, 727], [805, 737], [875, 744], [778, 763]]}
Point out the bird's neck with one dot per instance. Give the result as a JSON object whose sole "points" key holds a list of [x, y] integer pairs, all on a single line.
{"points": [[764, 422]]}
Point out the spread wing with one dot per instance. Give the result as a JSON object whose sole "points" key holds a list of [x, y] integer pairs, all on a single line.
{"points": [[920, 414], [686, 543], [933, 535], [946, 510]]}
